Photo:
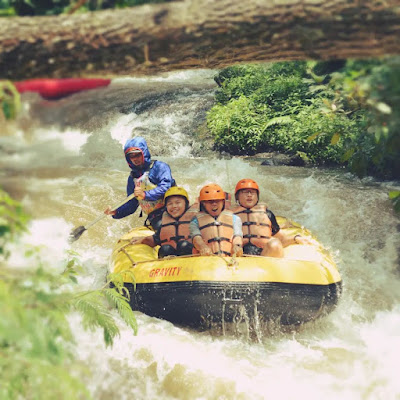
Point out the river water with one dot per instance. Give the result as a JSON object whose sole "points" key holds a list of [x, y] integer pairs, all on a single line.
{"points": [[63, 160]]}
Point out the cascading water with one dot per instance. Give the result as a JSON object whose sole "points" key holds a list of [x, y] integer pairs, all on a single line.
{"points": [[64, 161]]}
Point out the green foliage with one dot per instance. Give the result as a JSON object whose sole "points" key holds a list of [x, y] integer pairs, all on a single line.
{"points": [[91, 305], [313, 134], [271, 107], [253, 103], [55, 7], [330, 112], [10, 101], [261, 83], [34, 332], [39, 7], [236, 126], [12, 222], [378, 92], [36, 340], [395, 197], [6, 9]]}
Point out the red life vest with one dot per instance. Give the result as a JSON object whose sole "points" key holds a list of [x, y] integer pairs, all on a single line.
{"points": [[175, 230], [256, 226], [217, 233]]}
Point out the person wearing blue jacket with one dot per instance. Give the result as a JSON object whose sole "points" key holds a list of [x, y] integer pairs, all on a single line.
{"points": [[148, 180]]}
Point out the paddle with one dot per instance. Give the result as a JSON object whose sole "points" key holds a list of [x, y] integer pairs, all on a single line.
{"points": [[77, 232]]}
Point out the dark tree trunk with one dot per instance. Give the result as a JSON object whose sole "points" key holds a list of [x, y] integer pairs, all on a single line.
{"points": [[196, 34]]}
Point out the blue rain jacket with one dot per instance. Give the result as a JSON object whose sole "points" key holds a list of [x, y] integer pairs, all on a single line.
{"points": [[159, 174]]}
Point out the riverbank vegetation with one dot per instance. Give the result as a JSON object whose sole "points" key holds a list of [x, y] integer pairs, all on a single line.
{"points": [[328, 113], [55, 7], [37, 358]]}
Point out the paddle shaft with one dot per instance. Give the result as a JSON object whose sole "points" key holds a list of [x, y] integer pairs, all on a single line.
{"points": [[77, 232], [100, 217]]}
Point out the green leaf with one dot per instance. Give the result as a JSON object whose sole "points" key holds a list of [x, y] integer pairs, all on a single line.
{"points": [[349, 153], [313, 136], [383, 108], [124, 309], [335, 139], [10, 100], [303, 155], [395, 197], [7, 110], [277, 121]]}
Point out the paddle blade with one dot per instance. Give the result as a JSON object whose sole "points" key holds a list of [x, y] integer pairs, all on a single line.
{"points": [[76, 233]]}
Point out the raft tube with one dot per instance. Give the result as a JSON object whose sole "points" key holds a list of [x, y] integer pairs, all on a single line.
{"points": [[54, 89], [200, 291]]}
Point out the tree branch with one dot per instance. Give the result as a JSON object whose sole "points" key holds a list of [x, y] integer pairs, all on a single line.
{"points": [[196, 34]]}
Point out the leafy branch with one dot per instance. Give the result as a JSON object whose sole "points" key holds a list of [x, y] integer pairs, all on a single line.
{"points": [[36, 338]]}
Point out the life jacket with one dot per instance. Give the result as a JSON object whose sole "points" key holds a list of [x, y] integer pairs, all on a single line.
{"points": [[217, 233], [144, 183], [256, 226], [175, 230], [228, 201]]}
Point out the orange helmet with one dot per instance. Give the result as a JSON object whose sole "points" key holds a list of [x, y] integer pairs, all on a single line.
{"points": [[246, 184], [212, 191]]}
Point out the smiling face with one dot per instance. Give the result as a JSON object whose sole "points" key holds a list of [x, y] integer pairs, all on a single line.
{"points": [[136, 159], [248, 198], [176, 206], [213, 207]]}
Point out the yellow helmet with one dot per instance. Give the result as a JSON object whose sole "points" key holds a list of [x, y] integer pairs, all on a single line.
{"points": [[176, 191]]}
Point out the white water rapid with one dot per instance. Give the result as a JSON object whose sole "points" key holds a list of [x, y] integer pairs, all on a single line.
{"points": [[63, 160]]}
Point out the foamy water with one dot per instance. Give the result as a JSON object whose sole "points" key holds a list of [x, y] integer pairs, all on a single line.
{"points": [[67, 172]]}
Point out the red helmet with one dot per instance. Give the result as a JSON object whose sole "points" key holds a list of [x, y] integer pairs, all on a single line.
{"points": [[246, 184], [212, 191]]}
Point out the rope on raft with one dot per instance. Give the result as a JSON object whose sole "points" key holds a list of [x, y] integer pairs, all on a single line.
{"points": [[229, 262], [127, 254]]}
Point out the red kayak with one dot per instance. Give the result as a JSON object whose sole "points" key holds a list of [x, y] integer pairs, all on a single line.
{"points": [[53, 89]]}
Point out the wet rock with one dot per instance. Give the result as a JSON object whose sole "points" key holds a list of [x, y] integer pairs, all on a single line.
{"points": [[278, 159]]}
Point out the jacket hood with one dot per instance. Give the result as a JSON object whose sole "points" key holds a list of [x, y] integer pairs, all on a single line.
{"points": [[138, 143]]}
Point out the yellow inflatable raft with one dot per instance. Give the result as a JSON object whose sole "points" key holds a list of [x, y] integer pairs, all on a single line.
{"points": [[200, 291]]}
